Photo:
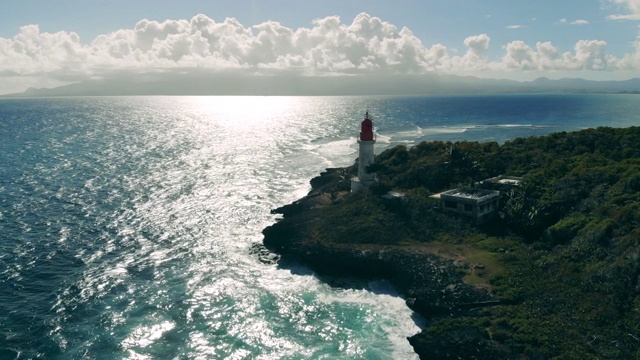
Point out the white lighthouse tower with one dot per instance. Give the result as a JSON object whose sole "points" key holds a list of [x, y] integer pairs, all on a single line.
{"points": [[365, 155]]}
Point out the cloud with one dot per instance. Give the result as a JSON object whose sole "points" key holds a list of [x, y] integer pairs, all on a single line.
{"points": [[473, 59], [477, 44], [515, 27], [328, 47], [632, 6], [33, 52], [576, 22], [367, 44], [580, 22], [588, 55], [519, 56]]}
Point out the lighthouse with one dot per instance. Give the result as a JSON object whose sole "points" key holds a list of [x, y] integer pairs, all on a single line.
{"points": [[365, 155]]}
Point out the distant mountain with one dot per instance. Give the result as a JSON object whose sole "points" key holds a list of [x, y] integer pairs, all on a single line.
{"points": [[582, 85], [238, 84]]}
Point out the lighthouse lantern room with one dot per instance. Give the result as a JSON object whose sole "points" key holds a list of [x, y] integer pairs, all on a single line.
{"points": [[365, 155]]}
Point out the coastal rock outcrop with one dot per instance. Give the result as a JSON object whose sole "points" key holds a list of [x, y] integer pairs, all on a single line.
{"points": [[431, 285]]}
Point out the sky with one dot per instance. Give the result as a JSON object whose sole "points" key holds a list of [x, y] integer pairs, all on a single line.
{"points": [[47, 43]]}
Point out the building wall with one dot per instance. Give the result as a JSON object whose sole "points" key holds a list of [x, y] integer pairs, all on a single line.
{"points": [[365, 158], [479, 210]]}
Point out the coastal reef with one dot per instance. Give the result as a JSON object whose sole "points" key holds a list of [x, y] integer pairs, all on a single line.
{"points": [[555, 275]]}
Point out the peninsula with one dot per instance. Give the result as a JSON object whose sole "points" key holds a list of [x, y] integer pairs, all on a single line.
{"points": [[555, 274]]}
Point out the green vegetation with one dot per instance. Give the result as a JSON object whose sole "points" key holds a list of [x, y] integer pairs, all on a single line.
{"points": [[565, 250]]}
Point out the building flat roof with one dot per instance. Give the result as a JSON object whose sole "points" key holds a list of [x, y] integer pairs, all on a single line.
{"points": [[475, 194], [509, 181], [505, 180]]}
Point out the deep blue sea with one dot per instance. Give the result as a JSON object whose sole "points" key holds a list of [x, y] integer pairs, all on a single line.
{"points": [[126, 223]]}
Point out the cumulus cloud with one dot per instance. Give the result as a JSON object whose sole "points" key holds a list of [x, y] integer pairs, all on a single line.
{"points": [[477, 44], [328, 47], [34, 52], [588, 55], [633, 8], [367, 44], [519, 56], [474, 58], [591, 55]]}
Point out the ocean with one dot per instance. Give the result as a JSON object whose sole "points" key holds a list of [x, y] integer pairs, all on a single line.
{"points": [[127, 223]]}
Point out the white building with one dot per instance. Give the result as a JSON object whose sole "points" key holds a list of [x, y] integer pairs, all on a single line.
{"points": [[478, 204]]}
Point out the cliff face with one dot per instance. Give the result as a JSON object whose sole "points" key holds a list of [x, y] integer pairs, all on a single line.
{"points": [[431, 285]]}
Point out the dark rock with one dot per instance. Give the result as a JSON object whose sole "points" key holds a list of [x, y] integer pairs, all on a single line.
{"points": [[263, 254], [459, 344]]}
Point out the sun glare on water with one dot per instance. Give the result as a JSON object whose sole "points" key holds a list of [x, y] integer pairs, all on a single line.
{"points": [[249, 111]]}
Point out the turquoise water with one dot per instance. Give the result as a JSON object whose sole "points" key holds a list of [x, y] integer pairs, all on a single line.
{"points": [[126, 223]]}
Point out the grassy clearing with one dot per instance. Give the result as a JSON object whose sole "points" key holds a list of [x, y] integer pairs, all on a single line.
{"points": [[479, 264]]}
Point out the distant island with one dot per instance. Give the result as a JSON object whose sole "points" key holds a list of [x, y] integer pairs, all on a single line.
{"points": [[555, 275], [242, 84]]}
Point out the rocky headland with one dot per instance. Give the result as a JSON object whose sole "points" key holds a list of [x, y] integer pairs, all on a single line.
{"points": [[432, 284], [555, 276]]}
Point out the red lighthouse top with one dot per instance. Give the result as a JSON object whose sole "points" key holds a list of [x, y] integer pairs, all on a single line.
{"points": [[366, 129]]}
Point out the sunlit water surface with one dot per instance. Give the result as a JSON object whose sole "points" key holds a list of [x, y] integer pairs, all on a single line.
{"points": [[127, 223]]}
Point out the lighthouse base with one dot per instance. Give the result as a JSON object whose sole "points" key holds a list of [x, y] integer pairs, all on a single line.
{"points": [[357, 184]]}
